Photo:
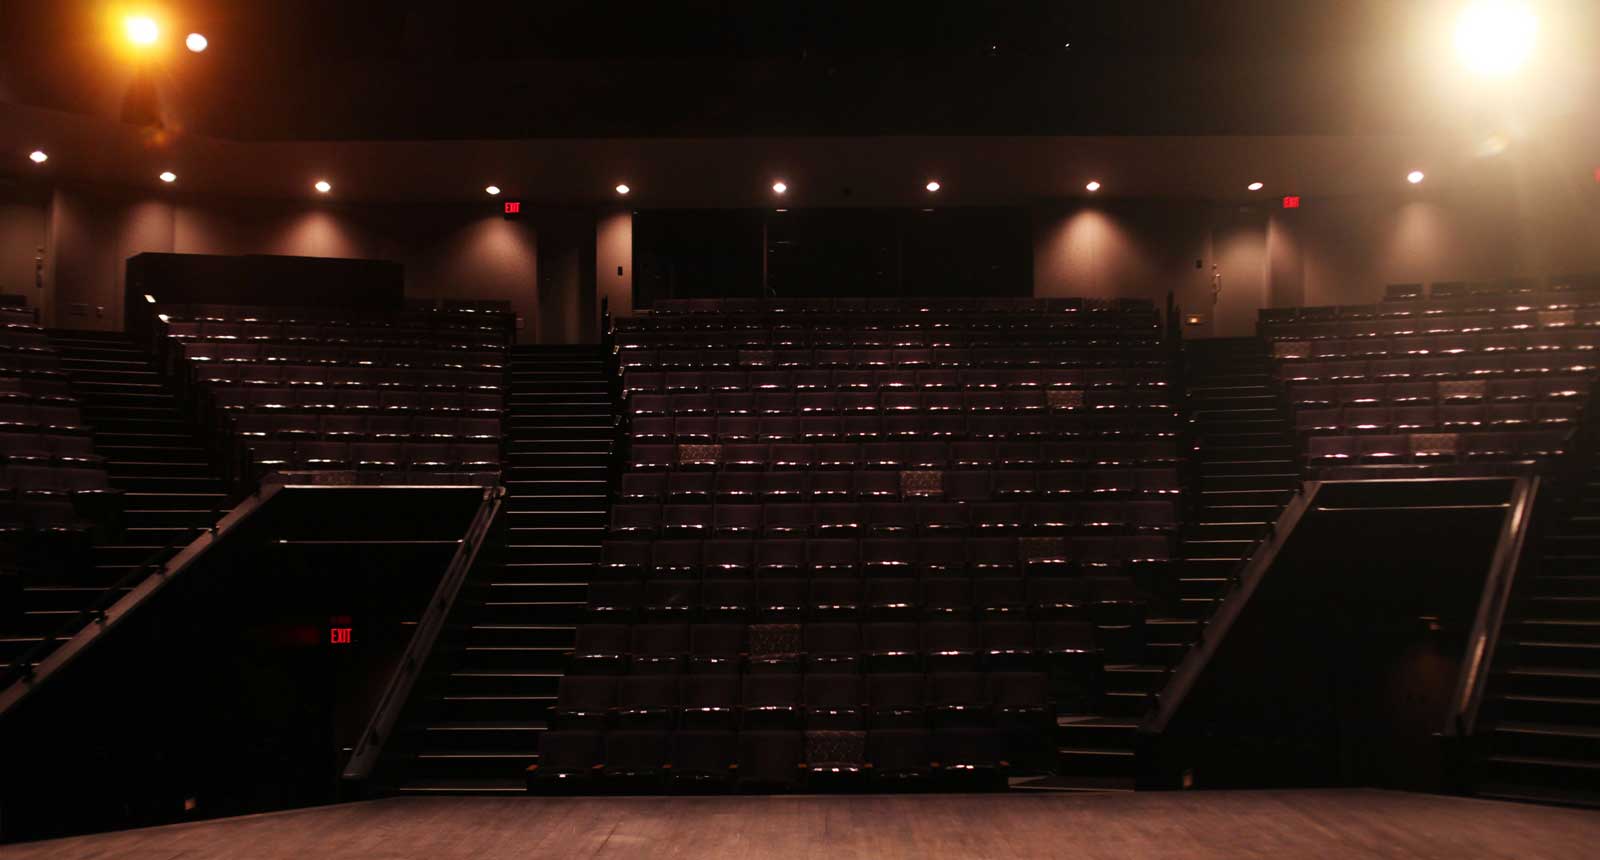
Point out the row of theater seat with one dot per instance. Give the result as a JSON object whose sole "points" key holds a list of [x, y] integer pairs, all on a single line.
{"points": [[485, 316], [1508, 344], [318, 375], [933, 426], [891, 401], [845, 519], [900, 307], [987, 422], [333, 332], [776, 393], [882, 490], [833, 648], [228, 352], [27, 413], [769, 363], [926, 454], [818, 474], [359, 426], [1556, 311], [376, 456], [1459, 418], [23, 337], [39, 385], [581, 761], [1553, 388], [1445, 368], [64, 449], [14, 361], [1106, 599], [901, 555], [1409, 300], [814, 701], [1425, 448], [239, 399]]}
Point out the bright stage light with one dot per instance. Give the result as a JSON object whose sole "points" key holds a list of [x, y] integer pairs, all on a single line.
{"points": [[780, 187], [1256, 186], [492, 190], [196, 42], [1094, 185], [1495, 38], [38, 156], [168, 176], [1415, 177], [934, 185], [322, 186], [623, 190], [142, 30]]}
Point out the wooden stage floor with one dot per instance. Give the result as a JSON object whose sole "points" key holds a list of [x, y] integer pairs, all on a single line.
{"points": [[1350, 823]]}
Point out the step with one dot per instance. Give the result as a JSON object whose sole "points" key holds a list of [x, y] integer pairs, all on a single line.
{"points": [[1242, 467], [467, 787], [1222, 510], [484, 735], [1565, 710], [1550, 795], [1563, 773], [1567, 655], [1096, 761], [1237, 531], [1578, 630], [1585, 607], [1550, 681], [1547, 740]]}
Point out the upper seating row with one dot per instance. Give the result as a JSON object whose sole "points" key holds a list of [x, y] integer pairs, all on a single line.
{"points": [[707, 357], [451, 316], [898, 306]]}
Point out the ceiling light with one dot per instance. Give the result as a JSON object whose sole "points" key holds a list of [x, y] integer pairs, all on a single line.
{"points": [[492, 190], [141, 30], [623, 189], [779, 187], [933, 185], [1495, 38], [1414, 177], [38, 157], [149, 298], [196, 42], [169, 176], [1256, 186], [1093, 185], [322, 186]]}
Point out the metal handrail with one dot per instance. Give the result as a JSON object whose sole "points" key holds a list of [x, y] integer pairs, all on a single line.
{"points": [[24, 665], [103, 617], [397, 692], [1497, 588], [1182, 676]]}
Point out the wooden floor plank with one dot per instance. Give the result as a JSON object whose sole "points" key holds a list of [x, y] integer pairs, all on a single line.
{"points": [[1350, 823]]}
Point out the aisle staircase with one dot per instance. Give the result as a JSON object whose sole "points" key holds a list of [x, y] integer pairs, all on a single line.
{"points": [[514, 625], [1542, 707], [152, 453]]}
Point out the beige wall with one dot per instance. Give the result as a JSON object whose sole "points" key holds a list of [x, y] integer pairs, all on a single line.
{"points": [[613, 268], [24, 225], [1329, 251], [89, 233]]}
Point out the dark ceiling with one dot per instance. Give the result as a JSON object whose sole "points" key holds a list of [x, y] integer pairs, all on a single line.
{"points": [[432, 69]]}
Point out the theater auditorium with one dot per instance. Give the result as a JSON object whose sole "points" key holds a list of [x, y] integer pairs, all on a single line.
{"points": [[1052, 428]]}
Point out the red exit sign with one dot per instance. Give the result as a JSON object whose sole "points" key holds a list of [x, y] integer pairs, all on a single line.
{"points": [[1291, 203], [513, 208], [340, 635]]}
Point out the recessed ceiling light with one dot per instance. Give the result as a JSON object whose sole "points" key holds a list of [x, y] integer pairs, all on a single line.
{"points": [[623, 189], [38, 156], [322, 186], [492, 190], [933, 185], [1495, 38], [1414, 177], [1093, 185], [169, 176], [196, 42], [1256, 186], [780, 187], [141, 30]]}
